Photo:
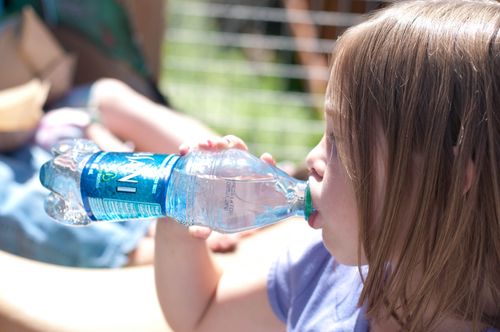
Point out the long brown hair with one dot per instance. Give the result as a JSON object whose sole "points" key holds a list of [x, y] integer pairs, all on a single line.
{"points": [[426, 74]]}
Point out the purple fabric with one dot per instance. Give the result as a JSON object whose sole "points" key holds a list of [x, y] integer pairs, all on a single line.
{"points": [[309, 291]]}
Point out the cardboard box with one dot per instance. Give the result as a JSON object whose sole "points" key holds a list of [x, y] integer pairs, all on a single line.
{"points": [[29, 50], [20, 112], [21, 106], [14, 70]]}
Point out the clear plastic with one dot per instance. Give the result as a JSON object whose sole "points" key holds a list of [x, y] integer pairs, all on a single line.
{"points": [[62, 176], [228, 191]]}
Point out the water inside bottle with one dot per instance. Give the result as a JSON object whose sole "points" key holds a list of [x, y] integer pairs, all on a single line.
{"points": [[228, 204]]}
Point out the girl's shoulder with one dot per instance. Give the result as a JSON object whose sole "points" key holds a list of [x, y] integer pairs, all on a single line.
{"points": [[310, 291]]}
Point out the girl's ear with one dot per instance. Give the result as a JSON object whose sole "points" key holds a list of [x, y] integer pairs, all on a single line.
{"points": [[470, 172]]}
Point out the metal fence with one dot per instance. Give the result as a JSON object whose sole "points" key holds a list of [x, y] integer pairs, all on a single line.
{"points": [[256, 68]]}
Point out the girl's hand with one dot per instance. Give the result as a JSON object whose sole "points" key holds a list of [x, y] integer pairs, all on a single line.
{"points": [[226, 142], [214, 144], [220, 143]]}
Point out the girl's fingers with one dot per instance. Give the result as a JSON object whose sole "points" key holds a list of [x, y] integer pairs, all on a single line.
{"points": [[229, 141], [235, 142], [217, 143], [207, 145], [184, 148], [218, 242], [200, 232], [268, 158]]}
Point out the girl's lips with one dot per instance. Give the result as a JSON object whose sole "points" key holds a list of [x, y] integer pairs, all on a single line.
{"points": [[312, 219]]}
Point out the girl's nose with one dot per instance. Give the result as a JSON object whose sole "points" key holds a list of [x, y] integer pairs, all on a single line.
{"points": [[315, 162]]}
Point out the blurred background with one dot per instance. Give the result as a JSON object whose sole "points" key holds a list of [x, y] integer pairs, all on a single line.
{"points": [[255, 68]]}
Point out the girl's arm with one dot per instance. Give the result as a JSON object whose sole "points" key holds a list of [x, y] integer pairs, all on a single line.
{"points": [[195, 294], [198, 295]]}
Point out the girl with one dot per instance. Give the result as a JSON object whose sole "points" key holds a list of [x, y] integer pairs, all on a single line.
{"points": [[406, 180]]}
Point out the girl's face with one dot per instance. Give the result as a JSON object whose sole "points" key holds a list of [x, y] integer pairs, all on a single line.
{"points": [[333, 197]]}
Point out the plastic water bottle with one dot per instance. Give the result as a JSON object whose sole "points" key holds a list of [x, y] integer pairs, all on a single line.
{"points": [[228, 190]]}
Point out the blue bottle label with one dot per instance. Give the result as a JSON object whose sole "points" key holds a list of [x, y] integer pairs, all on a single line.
{"points": [[119, 186]]}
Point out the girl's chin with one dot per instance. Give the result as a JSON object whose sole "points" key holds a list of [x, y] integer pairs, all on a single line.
{"points": [[343, 256]]}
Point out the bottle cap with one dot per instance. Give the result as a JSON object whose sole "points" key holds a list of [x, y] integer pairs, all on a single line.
{"points": [[308, 204]]}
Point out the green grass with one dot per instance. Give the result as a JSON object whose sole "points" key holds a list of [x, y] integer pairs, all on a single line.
{"points": [[287, 131]]}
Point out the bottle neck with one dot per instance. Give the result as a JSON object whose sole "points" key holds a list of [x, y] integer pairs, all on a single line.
{"points": [[302, 204]]}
